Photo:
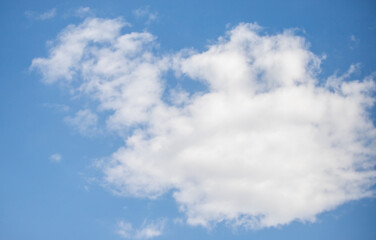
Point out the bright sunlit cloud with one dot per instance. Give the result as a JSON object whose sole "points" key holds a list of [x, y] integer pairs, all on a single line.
{"points": [[265, 144]]}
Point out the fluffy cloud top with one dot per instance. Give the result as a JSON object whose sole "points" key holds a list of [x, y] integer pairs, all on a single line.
{"points": [[267, 143]]}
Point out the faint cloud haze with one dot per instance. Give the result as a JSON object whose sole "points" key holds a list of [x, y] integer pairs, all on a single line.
{"points": [[145, 13], [56, 157], [41, 16], [84, 121], [148, 229]]}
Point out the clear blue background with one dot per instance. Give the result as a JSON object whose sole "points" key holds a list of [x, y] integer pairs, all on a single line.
{"points": [[44, 200]]}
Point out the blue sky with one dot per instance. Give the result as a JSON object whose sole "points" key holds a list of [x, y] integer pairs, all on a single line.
{"points": [[187, 120]]}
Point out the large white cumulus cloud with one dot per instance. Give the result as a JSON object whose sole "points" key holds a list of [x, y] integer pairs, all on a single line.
{"points": [[267, 143]]}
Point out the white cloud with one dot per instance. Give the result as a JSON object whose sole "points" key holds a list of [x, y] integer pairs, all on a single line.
{"points": [[146, 231], [265, 144], [71, 46], [56, 157], [41, 16], [84, 121]]}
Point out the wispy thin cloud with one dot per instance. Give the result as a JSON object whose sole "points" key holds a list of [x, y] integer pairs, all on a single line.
{"points": [[148, 230], [146, 13], [85, 121], [56, 157], [354, 41], [57, 107], [80, 12], [83, 12], [41, 16]]}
